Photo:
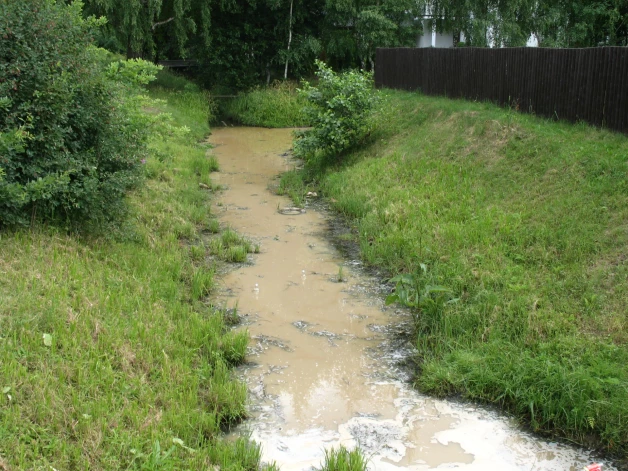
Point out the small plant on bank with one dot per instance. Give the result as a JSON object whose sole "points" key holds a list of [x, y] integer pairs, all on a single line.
{"points": [[342, 459], [202, 282], [426, 300], [341, 274], [339, 109], [213, 226]]}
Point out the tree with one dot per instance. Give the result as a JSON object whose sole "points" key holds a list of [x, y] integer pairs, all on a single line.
{"points": [[352, 29], [250, 41], [154, 28], [571, 23], [555, 23], [485, 22]]}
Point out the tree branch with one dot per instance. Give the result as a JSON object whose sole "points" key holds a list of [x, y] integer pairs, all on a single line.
{"points": [[159, 23]]}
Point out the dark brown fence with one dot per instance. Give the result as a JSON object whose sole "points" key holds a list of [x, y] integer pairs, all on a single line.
{"points": [[574, 84]]}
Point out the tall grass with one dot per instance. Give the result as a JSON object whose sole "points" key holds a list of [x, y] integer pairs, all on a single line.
{"points": [[111, 356], [185, 101], [341, 459], [276, 106], [525, 220]]}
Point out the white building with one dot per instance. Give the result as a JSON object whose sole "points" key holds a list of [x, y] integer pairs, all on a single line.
{"points": [[431, 38]]}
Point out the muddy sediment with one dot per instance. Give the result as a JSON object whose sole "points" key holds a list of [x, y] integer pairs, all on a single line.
{"points": [[324, 366]]}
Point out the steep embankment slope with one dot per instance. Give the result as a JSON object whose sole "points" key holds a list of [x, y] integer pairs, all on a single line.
{"points": [[526, 220]]}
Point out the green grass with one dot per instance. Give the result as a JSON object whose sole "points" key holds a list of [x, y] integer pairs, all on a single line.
{"points": [[229, 246], [526, 221], [185, 101], [277, 106], [342, 459], [293, 185], [111, 355]]}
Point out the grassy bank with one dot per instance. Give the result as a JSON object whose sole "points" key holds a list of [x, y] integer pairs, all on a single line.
{"points": [[525, 220], [111, 355], [276, 106]]}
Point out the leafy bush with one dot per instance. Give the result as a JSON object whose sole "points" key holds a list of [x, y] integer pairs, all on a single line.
{"points": [[339, 109], [72, 139]]}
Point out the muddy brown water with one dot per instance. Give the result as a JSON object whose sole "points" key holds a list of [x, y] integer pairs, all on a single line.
{"points": [[321, 371]]}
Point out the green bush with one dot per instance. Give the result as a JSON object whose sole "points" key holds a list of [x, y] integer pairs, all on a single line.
{"points": [[339, 109], [72, 140]]}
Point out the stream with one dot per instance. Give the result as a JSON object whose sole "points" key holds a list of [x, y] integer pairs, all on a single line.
{"points": [[323, 361]]}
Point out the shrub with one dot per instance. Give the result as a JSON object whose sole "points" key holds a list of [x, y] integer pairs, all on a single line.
{"points": [[72, 142], [339, 109]]}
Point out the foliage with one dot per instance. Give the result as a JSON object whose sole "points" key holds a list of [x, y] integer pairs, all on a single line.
{"points": [[133, 72], [185, 102], [250, 38], [582, 23], [524, 220], [277, 106], [249, 42], [350, 31], [111, 355], [72, 137], [242, 44], [245, 43], [172, 81], [554, 23], [154, 28], [339, 109], [342, 459]]}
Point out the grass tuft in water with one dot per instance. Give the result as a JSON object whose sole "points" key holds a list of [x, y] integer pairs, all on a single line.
{"points": [[292, 184], [229, 246], [236, 254], [342, 459]]}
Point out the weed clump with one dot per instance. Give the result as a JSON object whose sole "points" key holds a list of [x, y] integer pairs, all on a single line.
{"points": [[231, 247], [342, 459]]}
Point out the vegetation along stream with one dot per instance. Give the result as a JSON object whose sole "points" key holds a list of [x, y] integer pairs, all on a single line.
{"points": [[323, 362]]}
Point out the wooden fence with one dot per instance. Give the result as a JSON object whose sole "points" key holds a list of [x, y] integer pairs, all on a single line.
{"points": [[172, 64], [573, 84]]}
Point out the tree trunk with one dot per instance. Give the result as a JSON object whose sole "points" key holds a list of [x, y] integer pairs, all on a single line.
{"points": [[131, 53], [285, 72]]}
